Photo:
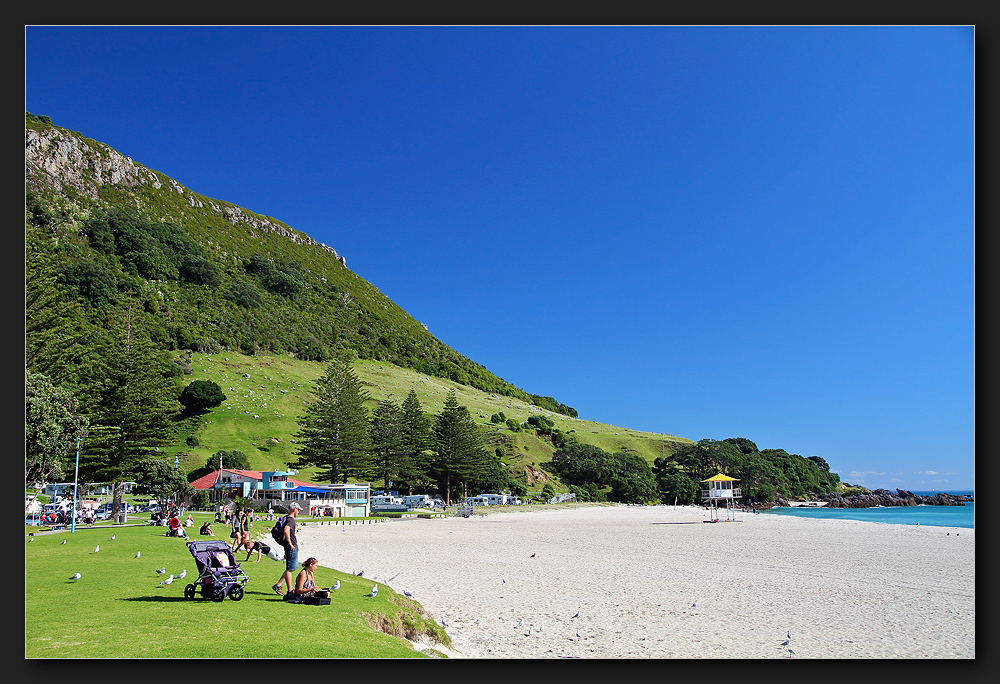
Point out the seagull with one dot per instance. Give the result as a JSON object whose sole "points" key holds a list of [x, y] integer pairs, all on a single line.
{"points": [[791, 651], [541, 627], [161, 571], [359, 573], [336, 586], [183, 574], [520, 623], [76, 576], [530, 630], [479, 621], [578, 634], [167, 581], [789, 634], [577, 614], [408, 594], [444, 623], [33, 539], [98, 548], [113, 537], [786, 642], [531, 556], [374, 591], [138, 553], [694, 605]]}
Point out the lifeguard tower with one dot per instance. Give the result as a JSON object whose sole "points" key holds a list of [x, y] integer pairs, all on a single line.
{"points": [[721, 488]]}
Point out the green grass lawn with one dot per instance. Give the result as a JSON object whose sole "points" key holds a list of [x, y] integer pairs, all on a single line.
{"points": [[118, 609]]}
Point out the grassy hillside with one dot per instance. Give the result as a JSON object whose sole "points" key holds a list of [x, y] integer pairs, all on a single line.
{"points": [[266, 394]]}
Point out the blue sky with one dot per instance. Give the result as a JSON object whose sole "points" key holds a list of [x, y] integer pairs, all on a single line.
{"points": [[709, 232]]}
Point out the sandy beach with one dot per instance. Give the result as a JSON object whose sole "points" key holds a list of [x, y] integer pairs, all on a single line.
{"points": [[659, 582]]}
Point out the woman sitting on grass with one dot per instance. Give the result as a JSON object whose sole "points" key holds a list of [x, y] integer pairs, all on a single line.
{"points": [[305, 583]]}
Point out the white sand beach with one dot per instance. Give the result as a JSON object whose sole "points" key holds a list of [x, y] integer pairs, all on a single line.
{"points": [[659, 582]]}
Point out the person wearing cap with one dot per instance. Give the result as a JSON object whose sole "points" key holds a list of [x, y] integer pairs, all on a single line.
{"points": [[291, 546]]}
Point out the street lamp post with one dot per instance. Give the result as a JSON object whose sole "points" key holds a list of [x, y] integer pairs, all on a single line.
{"points": [[76, 478]]}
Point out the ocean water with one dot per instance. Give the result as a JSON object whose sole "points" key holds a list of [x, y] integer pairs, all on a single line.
{"points": [[939, 516]]}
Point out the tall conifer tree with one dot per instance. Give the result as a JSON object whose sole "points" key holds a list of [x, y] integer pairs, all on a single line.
{"points": [[130, 401], [335, 433]]}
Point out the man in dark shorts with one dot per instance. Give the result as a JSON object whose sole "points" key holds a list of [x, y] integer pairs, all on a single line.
{"points": [[291, 546]]}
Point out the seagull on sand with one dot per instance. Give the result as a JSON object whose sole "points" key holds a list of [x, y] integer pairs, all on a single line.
{"points": [[531, 556], [407, 594], [444, 623], [578, 634], [479, 621], [520, 623], [167, 581], [577, 614], [530, 630], [76, 576], [541, 627]]}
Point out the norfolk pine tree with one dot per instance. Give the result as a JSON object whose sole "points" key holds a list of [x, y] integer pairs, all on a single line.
{"points": [[130, 402], [335, 434]]}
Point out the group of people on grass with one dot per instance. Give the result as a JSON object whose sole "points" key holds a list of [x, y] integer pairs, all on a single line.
{"points": [[297, 586]]}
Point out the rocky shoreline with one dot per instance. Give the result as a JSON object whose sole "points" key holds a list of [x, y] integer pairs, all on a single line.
{"points": [[883, 497]]}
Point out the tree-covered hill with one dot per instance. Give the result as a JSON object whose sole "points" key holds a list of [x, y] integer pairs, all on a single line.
{"points": [[209, 275], [137, 287]]}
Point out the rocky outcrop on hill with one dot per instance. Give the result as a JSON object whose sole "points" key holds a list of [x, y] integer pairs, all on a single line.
{"points": [[883, 497], [63, 160]]}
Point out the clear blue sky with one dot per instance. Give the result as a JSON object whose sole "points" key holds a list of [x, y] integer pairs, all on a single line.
{"points": [[710, 232]]}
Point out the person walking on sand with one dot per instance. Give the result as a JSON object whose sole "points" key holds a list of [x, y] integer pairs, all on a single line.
{"points": [[291, 547]]}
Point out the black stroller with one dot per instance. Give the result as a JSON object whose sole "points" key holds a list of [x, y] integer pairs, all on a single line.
{"points": [[219, 575]]}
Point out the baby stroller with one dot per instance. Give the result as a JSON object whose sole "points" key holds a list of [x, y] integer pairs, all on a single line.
{"points": [[219, 575]]}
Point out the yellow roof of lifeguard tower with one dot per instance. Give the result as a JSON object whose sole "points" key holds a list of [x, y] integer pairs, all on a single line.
{"points": [[721, 478]]}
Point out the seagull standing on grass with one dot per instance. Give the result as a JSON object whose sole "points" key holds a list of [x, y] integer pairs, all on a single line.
{"points": [[98, 548], [76, 576], [374, 591], [167, 581], [161, 571], [183, 574], [33, 539], [336, 586], [138, 553], [113, 537]]}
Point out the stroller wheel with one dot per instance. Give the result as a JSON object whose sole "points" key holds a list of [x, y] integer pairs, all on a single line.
{"points": [[189, 591], [219, 594], [236, 592]]}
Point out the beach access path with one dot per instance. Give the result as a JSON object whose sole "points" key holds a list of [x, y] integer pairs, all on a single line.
{"points": [[659, 582]]}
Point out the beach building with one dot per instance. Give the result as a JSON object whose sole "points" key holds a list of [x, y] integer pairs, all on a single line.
{"points": [[278, 486], [721, 488]]}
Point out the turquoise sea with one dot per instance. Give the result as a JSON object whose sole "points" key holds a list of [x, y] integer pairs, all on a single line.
{"points": [[939, 516]]}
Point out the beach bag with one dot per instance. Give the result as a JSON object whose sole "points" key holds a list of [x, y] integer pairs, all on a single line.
{"points": [[316, 600], [278, 532]]}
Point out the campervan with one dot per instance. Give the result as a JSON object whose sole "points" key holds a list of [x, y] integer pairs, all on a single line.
{"points": [[418, 500]]}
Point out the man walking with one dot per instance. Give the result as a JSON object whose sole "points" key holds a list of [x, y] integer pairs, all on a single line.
{"points": [[291, 545]]}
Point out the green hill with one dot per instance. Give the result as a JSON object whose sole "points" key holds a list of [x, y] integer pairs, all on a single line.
{"points": [[265, 394], [263, 310]]}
